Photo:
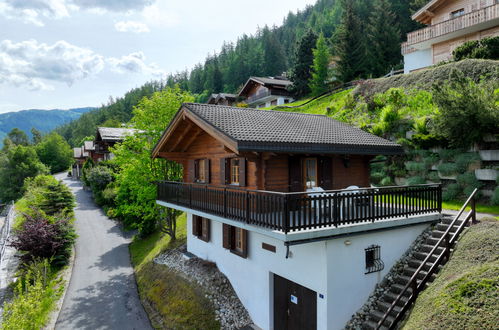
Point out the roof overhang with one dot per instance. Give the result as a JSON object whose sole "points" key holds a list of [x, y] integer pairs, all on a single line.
{"points": [[426, 13]]}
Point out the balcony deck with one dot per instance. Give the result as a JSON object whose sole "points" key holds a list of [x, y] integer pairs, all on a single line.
{"points": [[291, 212], [450, 28]]}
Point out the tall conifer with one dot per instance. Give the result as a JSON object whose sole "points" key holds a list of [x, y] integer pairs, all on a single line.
{"points": [[320, 72], [303, 61]]}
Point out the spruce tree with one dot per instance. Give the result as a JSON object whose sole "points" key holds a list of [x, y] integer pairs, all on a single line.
{"points": [[383, 37], [303, 61], [320, 71], [274, 58], [350, 45]]}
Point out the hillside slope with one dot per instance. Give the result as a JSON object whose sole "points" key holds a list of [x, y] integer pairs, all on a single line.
{"points": [[42, 120], [465, 294]]}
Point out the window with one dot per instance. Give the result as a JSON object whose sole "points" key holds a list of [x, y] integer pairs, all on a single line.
{"points": [[373, 259], [236, 240], [457, 13], [201, 170], [234, 171], [310, 172], [201, 228]]}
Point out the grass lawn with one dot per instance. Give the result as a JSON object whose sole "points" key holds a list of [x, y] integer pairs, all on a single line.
{"points": [[170, 301], [465, 295], [481, 208]]}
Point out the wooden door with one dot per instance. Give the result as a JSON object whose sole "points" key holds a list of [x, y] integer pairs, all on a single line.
{"points": [[295, 306]]}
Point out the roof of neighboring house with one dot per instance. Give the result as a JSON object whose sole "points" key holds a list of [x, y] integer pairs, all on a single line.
{"points": [[279, 131], [214, 98], [111, 134], [89, 145], [77, 153], [269, 82], [425, 13]]}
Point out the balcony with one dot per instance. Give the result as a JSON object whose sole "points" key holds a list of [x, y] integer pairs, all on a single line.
{"points": [[265, 94], [474, 21], [291, 212]]}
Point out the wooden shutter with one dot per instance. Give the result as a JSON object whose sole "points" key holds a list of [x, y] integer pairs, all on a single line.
{"points": [[226, 236], [242, 172], [224, 171], [207, 170], [195, 225], [326, 173], [295, 174], [244, 252], [205, 230], [191, 170]]}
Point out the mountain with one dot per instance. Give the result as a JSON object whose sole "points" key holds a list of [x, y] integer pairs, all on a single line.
{"points": [[42, 120]]}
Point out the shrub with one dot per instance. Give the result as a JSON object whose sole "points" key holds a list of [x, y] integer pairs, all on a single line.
{"points": [[40, 238], [495, 197], [415, 167], [99, 177], [433, 176], [430, 160], [451, 192], [87, 166], [464, 160], [447, 155], [468, 182], [447, 169], [414, 180], [487, 48]]}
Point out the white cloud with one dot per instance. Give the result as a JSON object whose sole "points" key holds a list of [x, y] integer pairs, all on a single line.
{"points": [[31, 65], [134, 63], [114, 5], [161, 15], [131, 26]]}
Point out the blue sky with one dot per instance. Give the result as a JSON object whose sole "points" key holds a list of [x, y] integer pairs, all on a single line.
{"points": [[75, 53]]}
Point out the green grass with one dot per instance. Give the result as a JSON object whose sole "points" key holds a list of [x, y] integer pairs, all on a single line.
{"points": [[465, 294], [170, 301], [480, 208]]}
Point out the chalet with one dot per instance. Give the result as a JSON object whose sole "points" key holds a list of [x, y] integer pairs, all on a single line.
{"points": [[89, 149], [80, 156], [222, 99], [262, 92], [107, 137], [450, 23], [282, 203]]}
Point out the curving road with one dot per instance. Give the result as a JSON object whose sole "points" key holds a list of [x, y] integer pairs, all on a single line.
{"points": [[102, 293]]}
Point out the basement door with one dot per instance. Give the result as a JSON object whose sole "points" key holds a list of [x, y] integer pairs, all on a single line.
{"points": [[295, 306]]}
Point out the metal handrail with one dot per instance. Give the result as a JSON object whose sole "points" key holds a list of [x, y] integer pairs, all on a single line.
{"points": [[413, 281]]}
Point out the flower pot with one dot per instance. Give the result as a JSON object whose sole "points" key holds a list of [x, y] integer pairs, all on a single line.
{"points": [[486, 174]]}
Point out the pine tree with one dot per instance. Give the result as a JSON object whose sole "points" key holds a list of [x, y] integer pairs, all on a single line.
{"points": [[274, 58], [350, 45], [320, 71], [304, 59], [383, 37]]}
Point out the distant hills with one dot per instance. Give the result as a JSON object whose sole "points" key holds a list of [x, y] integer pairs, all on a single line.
{"points": [[42, 120]]}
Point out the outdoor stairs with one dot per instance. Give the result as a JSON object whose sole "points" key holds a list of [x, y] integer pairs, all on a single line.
{"points": [[417, 268]]}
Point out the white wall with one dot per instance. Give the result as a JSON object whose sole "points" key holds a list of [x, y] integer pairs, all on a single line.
{"points": [[417, 60], [252, 277], [348, 286]]}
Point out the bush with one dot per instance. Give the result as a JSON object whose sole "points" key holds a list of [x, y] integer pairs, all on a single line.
{"points": [[463, 161], [495, 197], [451, 192], [414, 180], [38, 237], [433, 176], [468, 182], [99, 177], [416, 167], [447, 155], [447, 169], [487, 48]]}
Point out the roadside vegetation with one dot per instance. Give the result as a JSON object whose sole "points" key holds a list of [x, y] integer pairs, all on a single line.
{"points": [[171, 301], [465, 293], [44, 235]]}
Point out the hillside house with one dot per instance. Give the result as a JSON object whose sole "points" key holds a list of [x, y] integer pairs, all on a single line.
{"points": [[281, 202], [80, 156], [262, 92], [222, 99], [107, 137], [450, 23]]}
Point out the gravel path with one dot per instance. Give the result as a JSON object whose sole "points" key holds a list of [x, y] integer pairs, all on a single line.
{"points": [[102, 293]]}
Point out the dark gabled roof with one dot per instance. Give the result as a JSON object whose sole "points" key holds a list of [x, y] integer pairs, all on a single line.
{"points": [[216, 97], [279, 131], [265, 81], [112, 134]]}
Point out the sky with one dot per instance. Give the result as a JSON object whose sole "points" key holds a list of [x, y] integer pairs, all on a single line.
{"points": [[76, 53]]}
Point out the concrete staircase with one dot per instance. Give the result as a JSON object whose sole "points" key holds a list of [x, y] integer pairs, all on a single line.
{"points": [[420, 270]]}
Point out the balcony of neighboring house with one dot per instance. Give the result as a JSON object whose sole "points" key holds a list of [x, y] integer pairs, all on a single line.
{"points": [[459, 25], [304, 211], [266, 96]]}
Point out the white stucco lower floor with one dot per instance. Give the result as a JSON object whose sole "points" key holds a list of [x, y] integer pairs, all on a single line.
{"points": [[333, 267]]}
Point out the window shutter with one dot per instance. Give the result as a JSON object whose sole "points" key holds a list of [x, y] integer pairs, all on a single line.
{"points": [[195, 225], [326, 173], [224, 172], [295, 174], [191, 170], [226, 236], [242, 172], [207, 170], [244, 253], [205, 231]]}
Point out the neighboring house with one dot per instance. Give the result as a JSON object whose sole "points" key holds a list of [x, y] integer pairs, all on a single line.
{"points": [[262, 92], [80, 157], [89, 149], [273, 199], [222, 99], [450, 24], [107, 137]]}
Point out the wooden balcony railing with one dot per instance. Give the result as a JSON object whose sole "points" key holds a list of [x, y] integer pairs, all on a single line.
{"points": [[452, 25], [268, 92], [289, 212]]}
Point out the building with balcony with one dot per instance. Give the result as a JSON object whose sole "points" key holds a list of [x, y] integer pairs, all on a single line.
{"points": [[282, 203], [222, 99], [450, 23], [261, 92], [106, 137]]}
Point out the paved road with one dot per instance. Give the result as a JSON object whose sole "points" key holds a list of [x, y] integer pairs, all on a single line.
{"points": [[102, 293]]}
